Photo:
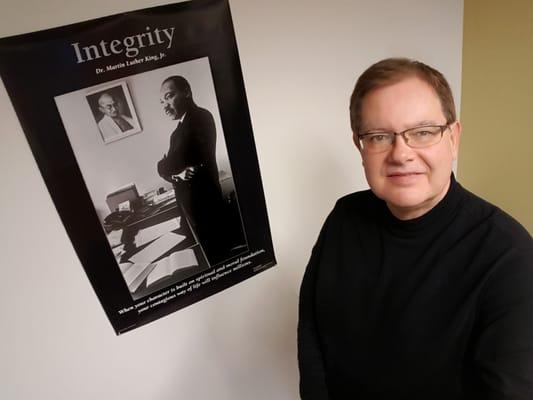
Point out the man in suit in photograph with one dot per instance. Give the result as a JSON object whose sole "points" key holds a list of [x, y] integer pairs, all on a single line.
{"points": [[190, 165]]}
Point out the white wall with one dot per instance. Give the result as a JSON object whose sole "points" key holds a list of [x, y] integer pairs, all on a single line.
{"points": [[300, 60]]}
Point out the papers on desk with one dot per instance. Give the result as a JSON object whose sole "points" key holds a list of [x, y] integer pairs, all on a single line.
{"points": [[114, 237], [140, 265], [135, 274], [168, 265], [118, 251], [157, 248], [153, 232], [161, 198]]}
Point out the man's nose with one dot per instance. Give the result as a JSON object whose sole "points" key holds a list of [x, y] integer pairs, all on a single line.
{"points": [[400, 152]]}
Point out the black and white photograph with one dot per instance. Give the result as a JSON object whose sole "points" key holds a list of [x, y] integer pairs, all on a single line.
{"points": [[166, 198], [143, 136], [113, 112]]}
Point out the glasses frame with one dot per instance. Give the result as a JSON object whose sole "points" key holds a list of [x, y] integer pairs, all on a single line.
{"points": [[442, 128]]}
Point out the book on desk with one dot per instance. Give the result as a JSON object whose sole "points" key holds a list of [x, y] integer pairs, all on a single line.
{"points": [[156, 245], [137, 273]]}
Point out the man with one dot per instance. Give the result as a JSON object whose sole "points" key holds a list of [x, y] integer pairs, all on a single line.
{"points": [[190, 165], [113, 122], [416, 289]]}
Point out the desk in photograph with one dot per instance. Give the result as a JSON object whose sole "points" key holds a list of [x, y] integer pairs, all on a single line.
{"points": [[147, 216]]}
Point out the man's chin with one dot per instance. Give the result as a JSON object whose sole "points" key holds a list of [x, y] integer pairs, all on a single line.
{"points": [[408, 206]]}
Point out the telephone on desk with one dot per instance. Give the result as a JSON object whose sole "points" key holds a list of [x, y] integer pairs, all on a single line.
{"points": [[117, 219], [130, 211]]}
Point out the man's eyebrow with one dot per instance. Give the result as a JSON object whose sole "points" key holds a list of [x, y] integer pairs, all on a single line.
{"points": [[365, 130], [425, 122]]}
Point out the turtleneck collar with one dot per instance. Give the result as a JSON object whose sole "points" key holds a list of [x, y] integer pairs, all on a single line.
{"points": [[438, 215]]}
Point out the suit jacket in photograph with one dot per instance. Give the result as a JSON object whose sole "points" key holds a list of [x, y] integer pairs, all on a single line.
{"points": [[193, 144]]}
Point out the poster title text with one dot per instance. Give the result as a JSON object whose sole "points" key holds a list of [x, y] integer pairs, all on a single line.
{"points": [[129, 45]]}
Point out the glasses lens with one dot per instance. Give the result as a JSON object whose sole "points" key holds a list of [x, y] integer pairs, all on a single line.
{"points": [[376, 142], [423, 136]]}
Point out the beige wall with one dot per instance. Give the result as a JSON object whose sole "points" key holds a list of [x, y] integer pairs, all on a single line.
{"points": [[497, 104]]}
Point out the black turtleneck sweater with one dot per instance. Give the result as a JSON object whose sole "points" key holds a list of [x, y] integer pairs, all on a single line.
{"points": [[438, 307]]}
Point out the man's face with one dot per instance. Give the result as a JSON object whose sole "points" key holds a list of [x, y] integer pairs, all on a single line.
{"points": [[108, 106], [410, 181], [173, 100]]}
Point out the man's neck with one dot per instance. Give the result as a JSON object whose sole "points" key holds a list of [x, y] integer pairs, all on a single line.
{"points": [[412, 212], [180, 120]]}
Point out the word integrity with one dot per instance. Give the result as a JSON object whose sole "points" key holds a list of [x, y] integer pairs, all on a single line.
{"points": [[129, 45]]}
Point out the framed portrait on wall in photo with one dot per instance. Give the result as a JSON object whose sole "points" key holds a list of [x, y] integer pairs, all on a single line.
{"points": [[113, 111], [142, 134]]}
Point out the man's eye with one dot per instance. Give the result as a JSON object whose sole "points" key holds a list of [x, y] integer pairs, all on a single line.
{"points": [[423, 133], [377, 138]]}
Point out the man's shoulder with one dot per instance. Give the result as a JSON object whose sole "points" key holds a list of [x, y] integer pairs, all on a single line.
{"points": [[200, 120], [103, 121], [499, 225], [510, 231], [199, 113], [356, 204], [359, 198]]}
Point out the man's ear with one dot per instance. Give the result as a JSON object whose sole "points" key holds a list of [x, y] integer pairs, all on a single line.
{"points": [[356, 141], [455, 138], [357, 146]]}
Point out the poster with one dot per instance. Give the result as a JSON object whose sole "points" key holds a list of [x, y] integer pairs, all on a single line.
{"points": [[140, 127]]}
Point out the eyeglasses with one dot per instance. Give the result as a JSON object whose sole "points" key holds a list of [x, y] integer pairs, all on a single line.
{"points": [[110, 106], [416, 138]]}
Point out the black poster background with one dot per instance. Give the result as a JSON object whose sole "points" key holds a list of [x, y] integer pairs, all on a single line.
{"points": [[36, 67]]}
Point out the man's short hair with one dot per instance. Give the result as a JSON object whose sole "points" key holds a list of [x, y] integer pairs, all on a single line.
{"points": [[394, 70], [181, 84], [105, 94]]}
